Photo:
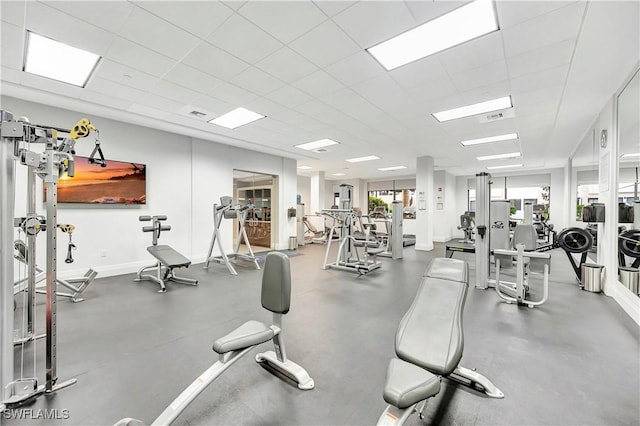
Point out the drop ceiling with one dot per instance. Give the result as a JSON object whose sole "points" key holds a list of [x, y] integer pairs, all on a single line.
{"points": [[303, 64]]}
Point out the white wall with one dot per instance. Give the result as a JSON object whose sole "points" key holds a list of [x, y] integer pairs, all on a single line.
{"points": [[304, 190], [185, 176]]}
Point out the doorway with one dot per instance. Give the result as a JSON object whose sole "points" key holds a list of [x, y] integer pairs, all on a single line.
{"points": [[257, 190]]}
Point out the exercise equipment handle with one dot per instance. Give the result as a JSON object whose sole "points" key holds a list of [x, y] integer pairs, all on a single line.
{"points": [[144, 219], [160, 217]]}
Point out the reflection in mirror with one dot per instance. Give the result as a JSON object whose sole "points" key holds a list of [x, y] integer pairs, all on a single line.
{"points": [[629, 203], [585, 165]]}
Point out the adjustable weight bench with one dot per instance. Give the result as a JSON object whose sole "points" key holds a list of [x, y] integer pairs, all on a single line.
{"points": [[167, 258], [429, 344], [276, 297]]}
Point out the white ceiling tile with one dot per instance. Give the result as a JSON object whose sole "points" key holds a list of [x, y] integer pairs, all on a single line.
{"points": [[157, 34], [551, 28], [140, 58], [200, 18], [104, 99], [256, 81], [264, 106], [284, 20], [10, 75], [49, 85], [125, 75], [234, 4], [372, 22], [213, 105], [243, 39], [214, 61], [424, 11], [325, 44], [159, 102], [287, 65], [332, 8], [108, 15], [378, 88], [59, 26], [356, 68], [175, 92], [473, 54], [540, 59], [351, 103], [547, 78], [480, 77], [13, 11], [107, 87], [419, 73], [511, 13], [12, 38], [547, 95], [484, 93], [148, 111], [232, 94], [191, 78], [298, 119], [289, 96], [317, 84]]}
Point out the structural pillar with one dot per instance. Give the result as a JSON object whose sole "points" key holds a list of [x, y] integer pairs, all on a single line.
{"points": [[316, 197], [425, 203]]}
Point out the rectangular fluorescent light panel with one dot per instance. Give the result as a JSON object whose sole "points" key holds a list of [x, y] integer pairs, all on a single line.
{"points": [[510, 136], [58, 61], [309, 146], [360, 159], [338, 174], [504, 167], [304, 167], [630, 155], [236, 118], [499, 156], [475, 109], [456, 27], [386, 169]]}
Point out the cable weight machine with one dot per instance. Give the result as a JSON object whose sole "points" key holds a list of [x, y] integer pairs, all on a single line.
{"points": [[16, 138]]}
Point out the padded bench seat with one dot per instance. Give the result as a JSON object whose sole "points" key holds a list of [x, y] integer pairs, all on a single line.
{"points": [[250, 333], [408, 384], [169, 257]]}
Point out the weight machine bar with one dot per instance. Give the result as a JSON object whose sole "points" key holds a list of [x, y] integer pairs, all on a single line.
{"points": [[31, 253], [51, 182], [7, 193]]}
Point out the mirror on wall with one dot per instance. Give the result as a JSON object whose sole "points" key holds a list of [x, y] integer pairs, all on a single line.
{"points": [[256, 190], [628, 172], [585, 167]]}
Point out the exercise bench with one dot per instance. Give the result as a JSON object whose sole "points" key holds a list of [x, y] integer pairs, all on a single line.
{"points": [[429, 344], [167, 258]]}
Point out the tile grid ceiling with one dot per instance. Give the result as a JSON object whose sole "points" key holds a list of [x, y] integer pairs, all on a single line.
{"points": [[303, 64]]}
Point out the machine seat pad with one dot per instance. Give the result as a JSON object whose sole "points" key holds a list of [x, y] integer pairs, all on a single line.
{"points": [[408, 384], [169, 257], [250, 333], [448, 269]]}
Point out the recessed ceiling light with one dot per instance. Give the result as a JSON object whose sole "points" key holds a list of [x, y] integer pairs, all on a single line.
{"points": [[236, 118], [504, 167], [337, 174], [386, 169], [58, 61], [499, 156], [510, 136], [630, 155], [310, 146], [304, 167], [359, 159], [475, 109], [456, 27]]}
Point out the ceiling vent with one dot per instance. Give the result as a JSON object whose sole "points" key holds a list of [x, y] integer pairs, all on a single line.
{"points": [[320, 150], [497, 115], [198, 114]]}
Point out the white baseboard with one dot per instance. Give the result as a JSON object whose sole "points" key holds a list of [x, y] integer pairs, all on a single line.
{"points": [[424, 247]]}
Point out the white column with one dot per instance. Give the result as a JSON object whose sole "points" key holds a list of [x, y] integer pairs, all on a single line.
{"points": [[288, 183], [425, 208], [569, 196], [361, 195], [316, 197]]}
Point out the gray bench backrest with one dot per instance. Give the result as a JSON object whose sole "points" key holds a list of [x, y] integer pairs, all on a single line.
{"points": [[525, 234], [276, 283], [430, 334]]}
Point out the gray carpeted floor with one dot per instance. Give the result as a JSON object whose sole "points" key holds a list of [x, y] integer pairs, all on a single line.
{"points": [[572, 361]]}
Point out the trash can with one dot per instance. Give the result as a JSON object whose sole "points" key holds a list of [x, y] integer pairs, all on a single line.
{"points": [[592, 277], [293, 243], [630, 278]]}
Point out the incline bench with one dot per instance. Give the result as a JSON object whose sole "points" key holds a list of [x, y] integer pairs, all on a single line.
{"points": [[429, 344], [167, 258]]}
